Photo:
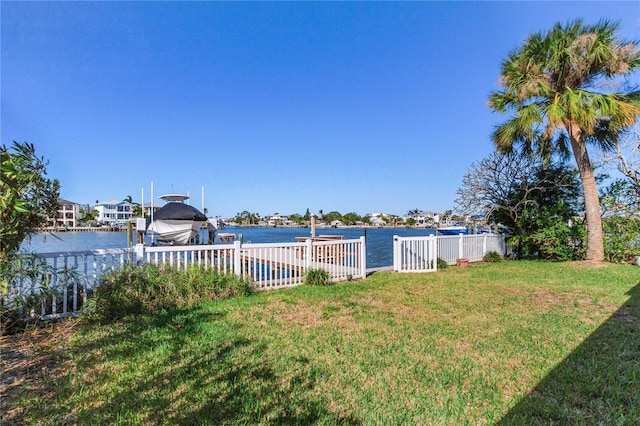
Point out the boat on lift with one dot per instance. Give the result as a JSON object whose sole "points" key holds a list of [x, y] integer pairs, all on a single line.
{"points": [[178, 223]]}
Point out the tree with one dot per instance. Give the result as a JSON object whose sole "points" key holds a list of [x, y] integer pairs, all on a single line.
{"points": [[502, 185], [88, 214], [538, 202], [297, 218], [27, 196], [552, 90], [333, 216], [626, 157], [247, 218], [351, 218]]}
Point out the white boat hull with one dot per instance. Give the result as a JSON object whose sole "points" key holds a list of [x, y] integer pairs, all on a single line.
{"points": [[174, 232]]}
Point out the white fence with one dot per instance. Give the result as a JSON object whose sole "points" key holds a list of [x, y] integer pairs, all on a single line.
{"points": [[71, 277], [420, 254], [66, 279], [415, 254]]}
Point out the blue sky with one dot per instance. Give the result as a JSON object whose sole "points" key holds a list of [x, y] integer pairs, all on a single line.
{"points": [[272, 107]]}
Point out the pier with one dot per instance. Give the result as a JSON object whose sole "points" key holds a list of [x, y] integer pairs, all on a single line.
{"points": [[85, 229]]}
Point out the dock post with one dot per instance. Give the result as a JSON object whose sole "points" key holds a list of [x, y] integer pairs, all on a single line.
{"points": [[129, 234]]}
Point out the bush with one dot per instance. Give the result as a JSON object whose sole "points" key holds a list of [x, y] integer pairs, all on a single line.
{"points": [[24, 287], [136, 289], [442, 264], [317, 277], [492, 257], [621, 239]]}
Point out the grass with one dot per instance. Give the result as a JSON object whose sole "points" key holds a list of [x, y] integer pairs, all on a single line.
{"points": [[496, 343]]}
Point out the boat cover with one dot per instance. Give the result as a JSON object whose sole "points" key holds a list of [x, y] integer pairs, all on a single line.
{"points": [[179, 211]]}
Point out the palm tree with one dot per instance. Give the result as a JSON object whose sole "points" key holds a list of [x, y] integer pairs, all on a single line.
{"points": [[553, 89]]}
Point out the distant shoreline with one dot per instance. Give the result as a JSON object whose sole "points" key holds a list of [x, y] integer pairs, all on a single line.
{"points": [[124, 229]]}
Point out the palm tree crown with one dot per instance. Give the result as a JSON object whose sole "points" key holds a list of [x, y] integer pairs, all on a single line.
{"points": [[554, 89]]}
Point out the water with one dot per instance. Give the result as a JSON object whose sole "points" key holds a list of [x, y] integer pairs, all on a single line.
{"points": [[379, 240]]}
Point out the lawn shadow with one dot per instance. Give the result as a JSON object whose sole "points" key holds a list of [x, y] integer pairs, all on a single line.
{"points": [[598, 383]]}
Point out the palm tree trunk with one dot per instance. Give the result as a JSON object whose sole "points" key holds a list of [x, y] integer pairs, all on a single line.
{"points": [[595, 240]]}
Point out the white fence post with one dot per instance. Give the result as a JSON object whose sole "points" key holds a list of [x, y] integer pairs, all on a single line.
{"points": [[433, 252], [396, 253], [484, 244], [461, 246], [139, 252], [308, 259], [237, 259]]}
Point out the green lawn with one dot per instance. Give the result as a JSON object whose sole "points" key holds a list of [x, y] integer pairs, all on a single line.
{"points": [[508, 343]]}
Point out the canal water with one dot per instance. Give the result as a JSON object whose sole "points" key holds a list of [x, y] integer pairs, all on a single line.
{"points": [[379, 241]]}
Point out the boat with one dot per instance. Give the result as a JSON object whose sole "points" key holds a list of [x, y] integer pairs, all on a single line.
{"points": [[453, 230], [177, 223], [465, 230]]}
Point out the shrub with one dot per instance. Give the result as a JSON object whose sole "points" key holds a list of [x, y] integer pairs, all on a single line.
{"points": [[442, 264], [25, 285], [317, 277], [492, 256], [621, 239], [135, 289]]}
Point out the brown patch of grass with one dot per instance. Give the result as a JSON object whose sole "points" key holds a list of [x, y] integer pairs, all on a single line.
{"points": [[302, 314], [31, 361]]}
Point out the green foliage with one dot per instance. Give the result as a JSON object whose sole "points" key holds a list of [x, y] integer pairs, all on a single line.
{"points": [[546, 205], [554, 92], [27, 197], [621, 221], [26, 278], [551, 83], [555, 239], [621, 238], [317, 277], [492, 257], [136, 289], [442, 264], [247, 218], [351, 218], [332, 216]]}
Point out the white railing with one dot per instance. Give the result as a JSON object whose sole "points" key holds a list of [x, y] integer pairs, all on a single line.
{"points": [[268, 265], [419, 254], [71, 277]]}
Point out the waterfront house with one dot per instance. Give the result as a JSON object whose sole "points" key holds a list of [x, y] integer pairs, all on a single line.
{"points": [[377, 221], [67, 216], [114, 212], [278, 219], [146, 209]]}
